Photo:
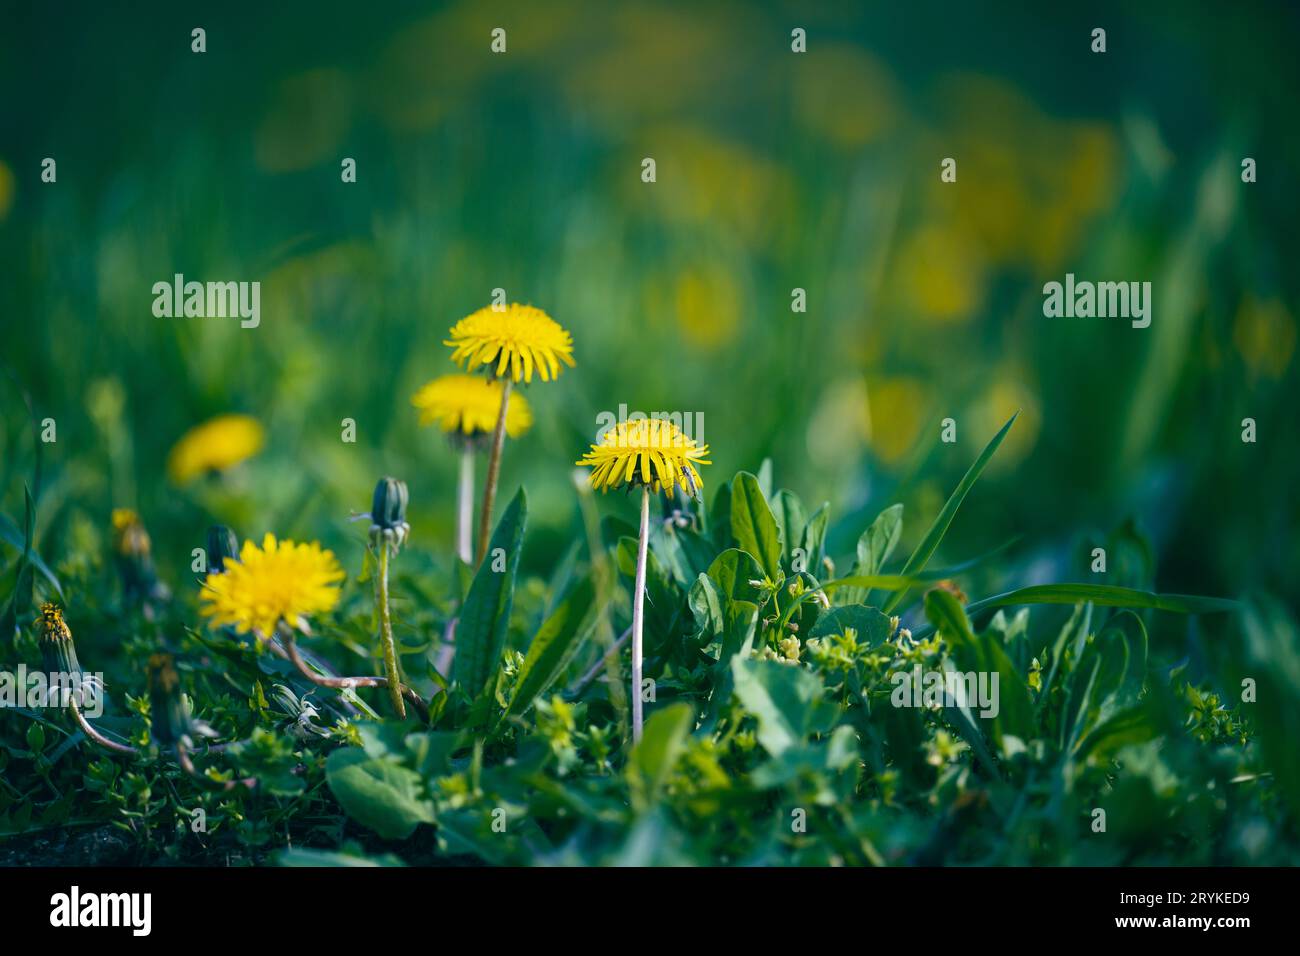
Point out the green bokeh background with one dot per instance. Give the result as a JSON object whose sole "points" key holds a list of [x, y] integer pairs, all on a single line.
{"points": [[774, 171]]}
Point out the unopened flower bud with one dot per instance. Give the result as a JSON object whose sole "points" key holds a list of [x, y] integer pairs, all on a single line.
{"points": [[388, 512], [223, 546]]}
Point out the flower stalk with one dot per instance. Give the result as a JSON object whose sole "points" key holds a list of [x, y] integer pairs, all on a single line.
{"points": [[386, 633], [344, 683], [95, 736], [493, 472], [388, 530], [638, 615], [465, 506]]}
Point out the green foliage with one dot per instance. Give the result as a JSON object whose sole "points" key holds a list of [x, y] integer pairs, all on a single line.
{"points": [[481, 632], [782, 728]]}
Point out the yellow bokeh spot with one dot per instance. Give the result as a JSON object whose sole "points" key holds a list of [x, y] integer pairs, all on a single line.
{"points": [[705, 180], [1006, 396], [940, 274], [895, 409], [1264, 333], [846, 95], [707, 308]]}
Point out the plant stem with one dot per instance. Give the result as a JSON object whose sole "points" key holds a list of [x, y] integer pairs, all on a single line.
{"points": [[95, 735], [638, 614], [494, 469], [386, 632], [346, 683], [465, 506], [602, 663]]}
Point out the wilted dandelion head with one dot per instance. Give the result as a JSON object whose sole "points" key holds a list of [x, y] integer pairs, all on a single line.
{"points": [[468, 405], [648, 451], [167, 712], [57, 650], [280, 581], [53, 627], [511, 341], [216, 445]]}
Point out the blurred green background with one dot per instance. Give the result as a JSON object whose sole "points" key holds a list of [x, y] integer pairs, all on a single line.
{"points": [[774, 171]]}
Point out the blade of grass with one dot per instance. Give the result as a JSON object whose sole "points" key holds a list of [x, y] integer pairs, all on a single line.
{"points": [[1103, 595], [939, 528]]}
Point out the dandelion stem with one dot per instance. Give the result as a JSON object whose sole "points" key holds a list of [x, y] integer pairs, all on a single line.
{"points": [[346, 683], [638, 614], [494, 470], [465, 506], [95, 735], [386, 632]]}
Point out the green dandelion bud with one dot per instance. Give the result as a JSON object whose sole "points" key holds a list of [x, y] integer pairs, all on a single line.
{"points": [[223, 546], [388, 512]]}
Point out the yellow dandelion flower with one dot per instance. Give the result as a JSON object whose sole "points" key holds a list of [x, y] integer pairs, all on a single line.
{"points": [[517, 338], [280, 581], [647, 451], [216, 445], [469, 405]]}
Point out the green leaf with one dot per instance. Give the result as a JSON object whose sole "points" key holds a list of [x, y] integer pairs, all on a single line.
{"points": [[1125, 727], [380, 794], [11, 535], [731, 571], [1267, 650], [790, 520], [871, 626], [754, 526], [765, 478], [983, 655], [878, 541], [874, 548], [655, 755], [550, 647], [481, 632], [1105, 595], [930, 543], [786, 700], [814, 539], [720, 517], [707, 604]]}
